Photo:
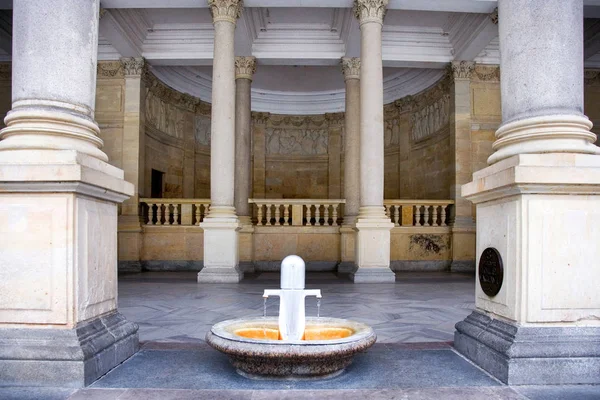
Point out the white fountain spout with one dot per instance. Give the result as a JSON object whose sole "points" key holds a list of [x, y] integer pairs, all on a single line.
{"points": [[291, 298]]}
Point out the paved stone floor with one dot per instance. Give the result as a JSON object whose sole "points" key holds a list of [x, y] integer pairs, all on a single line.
{"points": [[413, 358]]}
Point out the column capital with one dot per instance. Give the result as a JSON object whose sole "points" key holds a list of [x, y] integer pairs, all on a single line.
{"points": [[462, 69], [245, 67], [133, 66], [494, 16], [351, 67], [225, 10], [370, 10]]}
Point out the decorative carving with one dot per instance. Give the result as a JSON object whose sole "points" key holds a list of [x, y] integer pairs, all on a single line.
{"points": [[225, 10], [430, 119], [133, 66], [487, 73], [260, 118], [5, 71], [351, 67], [171, 96], [110, 69], [370, 10], [462, 69], [494, 16], [297, 141], [102, 13], [202, 130], [405, 104], [245, 67], [335, 119], [592, 76], [164, 116], [391, 133]]}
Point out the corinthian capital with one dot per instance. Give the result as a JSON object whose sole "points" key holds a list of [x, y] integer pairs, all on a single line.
{"points": [[370, 10], [351, 67], [245, 67], [462, 69], [225, 10], [133, 66]]}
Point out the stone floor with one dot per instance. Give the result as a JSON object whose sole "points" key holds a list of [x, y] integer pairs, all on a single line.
{"points": [[412, 359]]}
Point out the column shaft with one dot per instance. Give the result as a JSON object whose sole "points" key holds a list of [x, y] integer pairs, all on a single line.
{"points": [[222, 148], [245, 68], [351, 68], [371, 122], [542, 79]]}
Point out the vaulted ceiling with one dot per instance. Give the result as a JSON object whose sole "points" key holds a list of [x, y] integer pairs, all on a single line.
{"points": [[298, 44]]}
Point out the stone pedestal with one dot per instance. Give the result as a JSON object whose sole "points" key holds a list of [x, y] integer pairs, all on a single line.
{"points": [[540, 211], [59, 324], [537, 205], [373, 252]]}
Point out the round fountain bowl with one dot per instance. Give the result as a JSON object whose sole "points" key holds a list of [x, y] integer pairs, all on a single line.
{"points": [[255, 351]]}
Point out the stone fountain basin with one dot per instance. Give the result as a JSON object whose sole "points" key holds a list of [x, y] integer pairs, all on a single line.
{"points": [[268, 358]]}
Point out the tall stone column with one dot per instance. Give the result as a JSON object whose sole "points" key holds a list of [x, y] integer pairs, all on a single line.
{"points": [[373, 238], [59, 324], [134, 146], [221, 226], [537, 303], [351, 71], [463, 227], [245, 67]]}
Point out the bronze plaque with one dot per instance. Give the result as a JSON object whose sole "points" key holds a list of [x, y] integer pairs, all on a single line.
{"points": [[491, 271]]}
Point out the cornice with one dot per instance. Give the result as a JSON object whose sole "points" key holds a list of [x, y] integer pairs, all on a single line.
{"points": [[110, 69], [172, 96]]}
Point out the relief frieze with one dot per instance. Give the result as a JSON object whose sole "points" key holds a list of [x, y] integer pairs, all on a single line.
{"points": [[291, 141], [202, 130], [430, 119]]}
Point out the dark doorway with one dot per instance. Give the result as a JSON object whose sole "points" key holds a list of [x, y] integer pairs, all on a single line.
{"points": [[157, 184]]}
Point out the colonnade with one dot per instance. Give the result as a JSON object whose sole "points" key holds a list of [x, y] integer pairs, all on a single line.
{"points": [[537, 202], [231, 152]]}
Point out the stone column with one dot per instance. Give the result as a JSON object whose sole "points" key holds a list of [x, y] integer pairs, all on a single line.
{"points": [[134, 146], [373, 238], [59, 324], [351, 71], [537, 210], [245, 67], [463, 227], [221, 226]]}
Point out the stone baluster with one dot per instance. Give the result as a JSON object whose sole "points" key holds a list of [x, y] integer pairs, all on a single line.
{"points": [[317, 214], [198, 213], [277, 214], [259, 213], [308, 214], [176, 214], [335, 213], [443, 216], [426, 215], [326, 210], [269, 213], [396, 215], [286, 214]]}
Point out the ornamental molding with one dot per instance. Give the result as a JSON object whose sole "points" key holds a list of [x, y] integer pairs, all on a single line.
{"points": [[494, 16], [225, 10], [155, 88], [592, 77], [487, 73], [370, 10], [260, 118], [245, 67], [351, 67], [110, 69], [462, 69], [133, 66], [5, 71]]}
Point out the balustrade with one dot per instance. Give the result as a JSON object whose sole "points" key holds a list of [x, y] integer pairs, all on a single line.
{"points": [[419, 212], [297, 212], [163, 212]]}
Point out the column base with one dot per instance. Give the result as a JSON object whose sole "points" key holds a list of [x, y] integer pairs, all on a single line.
{"points": [[373, 275], [346, 267], [66, 357], [526, 355], [373, 251], [221, 253]]}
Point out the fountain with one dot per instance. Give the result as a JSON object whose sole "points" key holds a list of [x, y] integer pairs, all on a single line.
{"points": [[291, 346]]}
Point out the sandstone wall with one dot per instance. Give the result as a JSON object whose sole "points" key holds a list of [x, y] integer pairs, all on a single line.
{"points": [[110, 103]]}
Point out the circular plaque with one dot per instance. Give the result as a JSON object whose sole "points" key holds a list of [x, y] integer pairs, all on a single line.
{"points": [[491, 271]]}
